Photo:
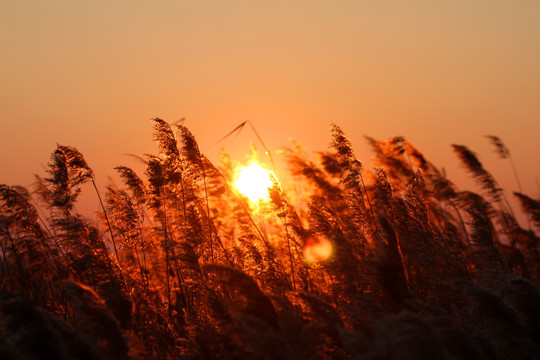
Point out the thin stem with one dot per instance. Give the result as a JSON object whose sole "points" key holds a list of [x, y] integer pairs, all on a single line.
{"points": [[207, 210], [519, 186], [167, 264], [143, 247], [239, 128], [515, 174], [290, 252], [268, 153], [253, 222], [462, 222], [369, 202], [108, 222]]}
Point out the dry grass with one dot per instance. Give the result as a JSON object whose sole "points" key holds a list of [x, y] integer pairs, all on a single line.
{"points": [[419, 269]]}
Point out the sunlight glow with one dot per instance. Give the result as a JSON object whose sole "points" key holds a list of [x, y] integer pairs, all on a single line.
{"points": [[317, 249], [253, 182]]}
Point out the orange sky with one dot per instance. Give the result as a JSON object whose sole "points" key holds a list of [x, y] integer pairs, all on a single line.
{"points": [[91, 74]]}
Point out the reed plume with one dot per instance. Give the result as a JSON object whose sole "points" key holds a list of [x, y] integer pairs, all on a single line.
{"points": [[474, 166], [390, 262], [504, 153], [531, 208]]}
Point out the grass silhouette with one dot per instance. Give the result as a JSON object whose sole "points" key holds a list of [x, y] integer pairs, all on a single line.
{"points": [[419, 269]]}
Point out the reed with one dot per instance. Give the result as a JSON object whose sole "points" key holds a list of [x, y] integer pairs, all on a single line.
{"points": [[406, 265]]}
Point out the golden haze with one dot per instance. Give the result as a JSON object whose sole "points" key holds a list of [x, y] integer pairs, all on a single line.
{"points": [[92, 74]]}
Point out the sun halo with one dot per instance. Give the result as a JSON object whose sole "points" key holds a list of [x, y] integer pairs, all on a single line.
{"points": [[253, 181]]}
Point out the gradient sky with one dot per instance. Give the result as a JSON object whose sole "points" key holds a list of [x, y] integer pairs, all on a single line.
{"points": [[91, 74]]}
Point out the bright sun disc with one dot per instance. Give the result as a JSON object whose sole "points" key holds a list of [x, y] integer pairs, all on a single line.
{"points": [[253, 182]]}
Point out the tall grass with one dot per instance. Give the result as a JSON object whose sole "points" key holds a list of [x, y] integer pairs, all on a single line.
{"points": [[186, 269]]}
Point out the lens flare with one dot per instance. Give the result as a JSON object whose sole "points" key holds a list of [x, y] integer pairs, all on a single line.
{"points": [[317, 249], [253, 182]]}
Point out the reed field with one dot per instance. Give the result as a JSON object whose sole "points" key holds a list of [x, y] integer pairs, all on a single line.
{"points": [[393, 262]]}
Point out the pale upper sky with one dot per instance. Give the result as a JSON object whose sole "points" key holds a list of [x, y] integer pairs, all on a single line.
{"points": [[91, 74]]}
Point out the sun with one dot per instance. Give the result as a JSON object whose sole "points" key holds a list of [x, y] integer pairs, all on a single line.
{"points": [[253, 182]]}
